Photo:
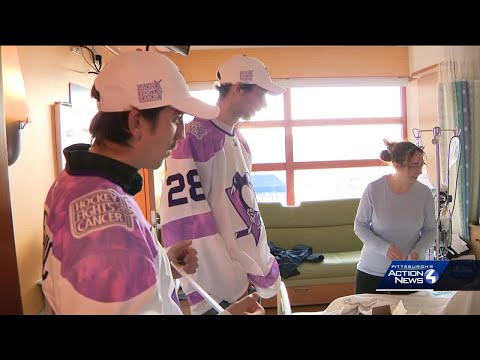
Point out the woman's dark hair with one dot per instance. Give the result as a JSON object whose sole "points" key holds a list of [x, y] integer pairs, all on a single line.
{"points": [[113, 126], [400, 152]]}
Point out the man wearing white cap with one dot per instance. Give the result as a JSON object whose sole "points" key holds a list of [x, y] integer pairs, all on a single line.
{"points": [[100, 256], [208, 196]]}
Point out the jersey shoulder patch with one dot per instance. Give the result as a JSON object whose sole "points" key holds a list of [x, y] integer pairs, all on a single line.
{"points": [[100, 209]]}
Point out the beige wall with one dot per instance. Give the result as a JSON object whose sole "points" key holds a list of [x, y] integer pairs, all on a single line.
{"points": [[428, 118], [422, 114], [422, 98], [303, 61], [421, 57], [47, 72]]}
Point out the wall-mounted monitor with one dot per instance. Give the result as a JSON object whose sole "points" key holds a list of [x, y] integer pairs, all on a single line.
{"points": [[180, 49]]}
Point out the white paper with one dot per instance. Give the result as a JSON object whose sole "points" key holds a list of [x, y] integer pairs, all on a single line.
{"points": [[197, 287]]}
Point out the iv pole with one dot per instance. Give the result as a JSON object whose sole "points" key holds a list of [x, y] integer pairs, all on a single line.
{"points": [[436, 132]]}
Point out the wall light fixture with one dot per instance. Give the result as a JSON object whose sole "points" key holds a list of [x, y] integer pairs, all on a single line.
{"points": [[15, 101]]}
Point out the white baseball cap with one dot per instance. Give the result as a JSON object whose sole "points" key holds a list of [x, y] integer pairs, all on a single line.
{"points": [[147, 80], [247, 70]]}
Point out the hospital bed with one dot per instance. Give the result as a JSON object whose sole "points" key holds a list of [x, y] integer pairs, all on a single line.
{"points": [[418, 303]]}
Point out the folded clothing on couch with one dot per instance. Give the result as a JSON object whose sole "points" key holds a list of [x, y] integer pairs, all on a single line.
{"points": [[289, 259]]}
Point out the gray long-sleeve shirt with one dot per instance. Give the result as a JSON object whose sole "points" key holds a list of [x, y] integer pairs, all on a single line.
{"points": [[383, 218]]}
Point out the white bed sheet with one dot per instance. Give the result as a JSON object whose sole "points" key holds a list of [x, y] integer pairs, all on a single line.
{"points": [[419, 303]]}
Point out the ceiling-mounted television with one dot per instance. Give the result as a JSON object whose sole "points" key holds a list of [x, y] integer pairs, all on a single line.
{"points": [[180, 49]]}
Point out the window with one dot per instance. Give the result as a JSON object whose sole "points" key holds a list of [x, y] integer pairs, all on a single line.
{"points": [[339, 183], [259, 139], [342, 102], [209, 96], [329, 143], [322, 141]]}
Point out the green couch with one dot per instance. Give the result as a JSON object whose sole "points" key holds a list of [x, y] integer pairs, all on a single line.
{"points": [[326, 226]]}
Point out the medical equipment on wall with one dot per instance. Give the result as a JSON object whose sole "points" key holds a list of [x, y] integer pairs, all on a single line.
{"points": [[444, 190]]}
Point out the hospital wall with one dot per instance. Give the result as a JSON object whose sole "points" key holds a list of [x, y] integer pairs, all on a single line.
{"points": [[49, 69]]}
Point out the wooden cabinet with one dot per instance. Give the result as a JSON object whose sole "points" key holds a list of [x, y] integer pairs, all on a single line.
{"points": [[475, 240], [313, 294], [10, 302], [145, 198]]}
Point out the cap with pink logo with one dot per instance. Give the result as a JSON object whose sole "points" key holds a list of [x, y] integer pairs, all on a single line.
{"points": [[147, 80], [247, 70]]}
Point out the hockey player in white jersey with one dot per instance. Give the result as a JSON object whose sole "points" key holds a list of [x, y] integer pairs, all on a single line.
{"points": [[208, 196], [100, 256]]}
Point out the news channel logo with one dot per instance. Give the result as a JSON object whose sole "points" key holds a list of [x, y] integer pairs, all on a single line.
{"points": [[413, 275]]}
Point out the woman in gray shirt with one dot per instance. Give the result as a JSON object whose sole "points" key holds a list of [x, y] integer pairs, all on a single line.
{"points": [[395, 218]]}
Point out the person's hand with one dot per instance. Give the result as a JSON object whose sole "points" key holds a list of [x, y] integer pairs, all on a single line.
{"points": [[414, 256], [247, 306], [184, 254], [394, 254]]}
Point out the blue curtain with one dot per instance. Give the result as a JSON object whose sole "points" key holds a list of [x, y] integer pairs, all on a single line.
{"points": [[457, 105], [463, 115]]}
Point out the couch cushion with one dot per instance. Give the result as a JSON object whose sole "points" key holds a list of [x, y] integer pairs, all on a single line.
{"points": [[322, 239], [326, 226], [292, 282], [333, 265], [309, 213], [336, 268]]}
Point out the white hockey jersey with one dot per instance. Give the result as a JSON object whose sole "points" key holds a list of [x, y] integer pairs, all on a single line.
{"points": [[208, 196], [99, 255]]}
